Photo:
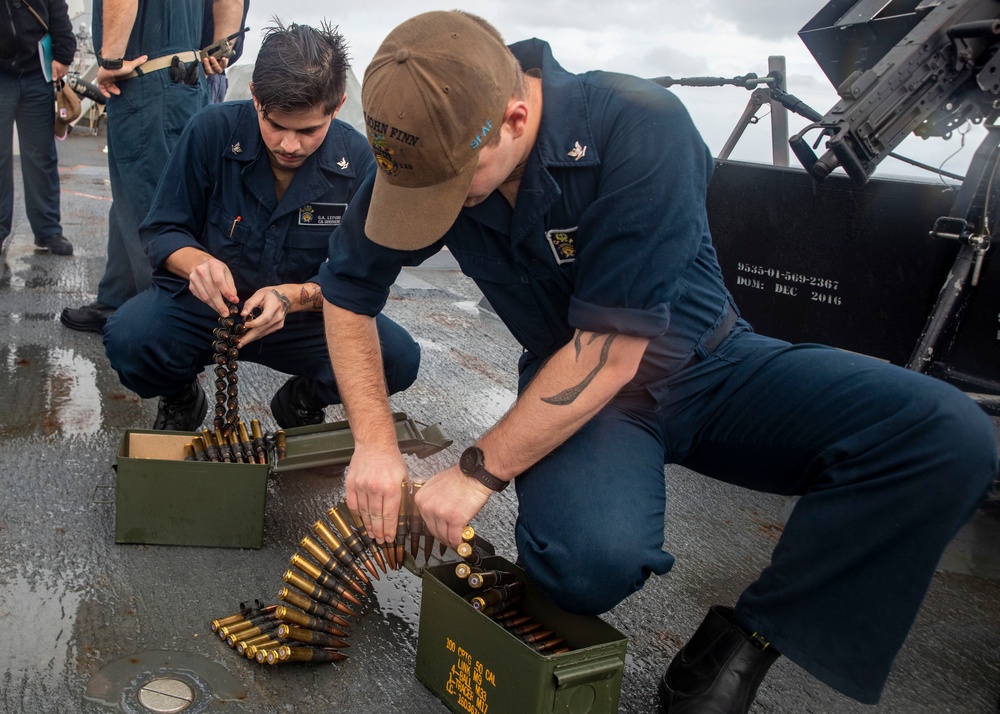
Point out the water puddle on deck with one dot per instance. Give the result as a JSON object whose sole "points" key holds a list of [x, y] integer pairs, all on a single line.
{"points": [[131, 684], [48, 390], [37, 615]]}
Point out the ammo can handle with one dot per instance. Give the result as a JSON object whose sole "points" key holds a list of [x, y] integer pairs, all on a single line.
{"points": [[571, 675]]}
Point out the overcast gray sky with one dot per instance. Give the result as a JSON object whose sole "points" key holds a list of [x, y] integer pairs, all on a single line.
{"points": [[649, 38]]}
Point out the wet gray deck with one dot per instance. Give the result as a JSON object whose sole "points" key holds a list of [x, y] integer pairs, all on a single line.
{"points": [[82, 619]]}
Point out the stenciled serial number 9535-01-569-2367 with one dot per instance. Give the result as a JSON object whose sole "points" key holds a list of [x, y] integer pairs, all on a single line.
{"points": [[790, 283]]}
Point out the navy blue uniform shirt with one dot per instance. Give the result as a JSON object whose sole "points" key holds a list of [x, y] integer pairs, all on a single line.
{"points": [[609, 232], [217, 194], [160, 28]]}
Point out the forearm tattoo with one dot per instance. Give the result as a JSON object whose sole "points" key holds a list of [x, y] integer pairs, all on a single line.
{"points": [[568, 396], [285, 302], [311, 297]]}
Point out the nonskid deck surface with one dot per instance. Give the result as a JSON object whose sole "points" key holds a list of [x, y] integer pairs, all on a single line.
{"points": [[86, 623]]}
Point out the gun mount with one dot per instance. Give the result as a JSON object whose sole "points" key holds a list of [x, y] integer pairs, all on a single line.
{"points": [[900, 66]]}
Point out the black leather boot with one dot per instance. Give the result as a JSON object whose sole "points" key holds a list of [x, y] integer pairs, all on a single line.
{"points": [[718, 670]]}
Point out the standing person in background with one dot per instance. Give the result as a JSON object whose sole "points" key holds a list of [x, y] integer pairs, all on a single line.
{"points": [[26, 99], [154, 82], [218, 84]]}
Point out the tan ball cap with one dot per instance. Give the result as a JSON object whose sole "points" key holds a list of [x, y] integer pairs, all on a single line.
{"points": [[433, 96]]}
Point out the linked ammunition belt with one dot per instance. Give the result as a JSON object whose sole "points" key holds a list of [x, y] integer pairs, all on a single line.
{"points": [[329, 582]]}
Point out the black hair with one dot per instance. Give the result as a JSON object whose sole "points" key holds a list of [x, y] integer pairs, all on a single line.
{"points": [[300, 67]]}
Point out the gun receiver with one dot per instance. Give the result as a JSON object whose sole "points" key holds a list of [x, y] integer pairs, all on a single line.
{"points": [[222, 48], [942, 73]]}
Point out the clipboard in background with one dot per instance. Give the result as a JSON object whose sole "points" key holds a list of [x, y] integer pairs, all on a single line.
{"points": [[45, 56]]}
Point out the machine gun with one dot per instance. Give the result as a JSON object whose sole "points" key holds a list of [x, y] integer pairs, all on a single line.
{"points": [[897, 269], [941, 69]]}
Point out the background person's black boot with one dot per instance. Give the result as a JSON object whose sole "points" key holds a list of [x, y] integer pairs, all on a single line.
{"points": [[718, 670]]}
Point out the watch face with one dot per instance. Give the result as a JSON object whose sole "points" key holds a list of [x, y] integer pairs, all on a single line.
{"points": [[469, 460]]}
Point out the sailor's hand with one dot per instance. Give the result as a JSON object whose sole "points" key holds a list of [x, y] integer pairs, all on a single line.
{"points": [[265, 312], [106, 78], [211, 282], [214, 65], [448, 502], [373, 492]]}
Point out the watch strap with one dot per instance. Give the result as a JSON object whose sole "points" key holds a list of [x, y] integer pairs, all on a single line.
{"points": [[472, 465]]}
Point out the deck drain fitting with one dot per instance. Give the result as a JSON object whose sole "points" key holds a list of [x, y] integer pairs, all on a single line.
{"points": [[166, 695]]}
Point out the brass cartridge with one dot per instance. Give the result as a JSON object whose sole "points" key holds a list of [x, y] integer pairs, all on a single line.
{"points": [[294, 617], [280, 443], [324, 579], [211, 452], [312, 607], [497, 595], [468, 533], [340, 551], [258, 441], [464, 570], [241, 616], [470, 554], [236, 448], [490, 578], [537, 636], [245, 444], [224, 621], [494, 610], [351, 539], [402, 523], [331, 564], [286, 653], [223, 445], [246, 624], [514, 619], [312, 637], [198, 444], [251, 651], [416, 520], [316, 592], [554, 645], [525, 629], [252, 635], [359, 526], [251, 632]]}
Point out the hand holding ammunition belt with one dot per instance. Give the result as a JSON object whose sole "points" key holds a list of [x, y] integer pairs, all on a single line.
{"points": [[329, 581]]}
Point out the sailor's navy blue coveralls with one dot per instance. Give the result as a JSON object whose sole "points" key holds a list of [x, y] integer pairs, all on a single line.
{"points": [[217, 194], [145, 121], [610, 234]]}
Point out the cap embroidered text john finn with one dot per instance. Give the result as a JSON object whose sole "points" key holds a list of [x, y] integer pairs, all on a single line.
{"points": [[433, 96]]}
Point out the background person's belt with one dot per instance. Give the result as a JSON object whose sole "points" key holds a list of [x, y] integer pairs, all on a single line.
{"points": [[159, 63]]}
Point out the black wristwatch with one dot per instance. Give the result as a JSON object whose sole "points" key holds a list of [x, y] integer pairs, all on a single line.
{"points": [[110, 63], [472, 464]]}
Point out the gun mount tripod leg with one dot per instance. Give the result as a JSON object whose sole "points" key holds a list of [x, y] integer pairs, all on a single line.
{"points": [[969, 224]]}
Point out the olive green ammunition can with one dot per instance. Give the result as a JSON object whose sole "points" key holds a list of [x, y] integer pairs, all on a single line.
{"points": [[162, 499], [474, 665]]}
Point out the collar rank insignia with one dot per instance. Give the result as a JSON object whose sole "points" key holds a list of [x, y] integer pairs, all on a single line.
{"points": [[577, 152], [237, 149], [562, 243], [343, 163]]}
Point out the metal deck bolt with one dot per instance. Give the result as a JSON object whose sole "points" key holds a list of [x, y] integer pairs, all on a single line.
{"points": [[166, 695]]}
